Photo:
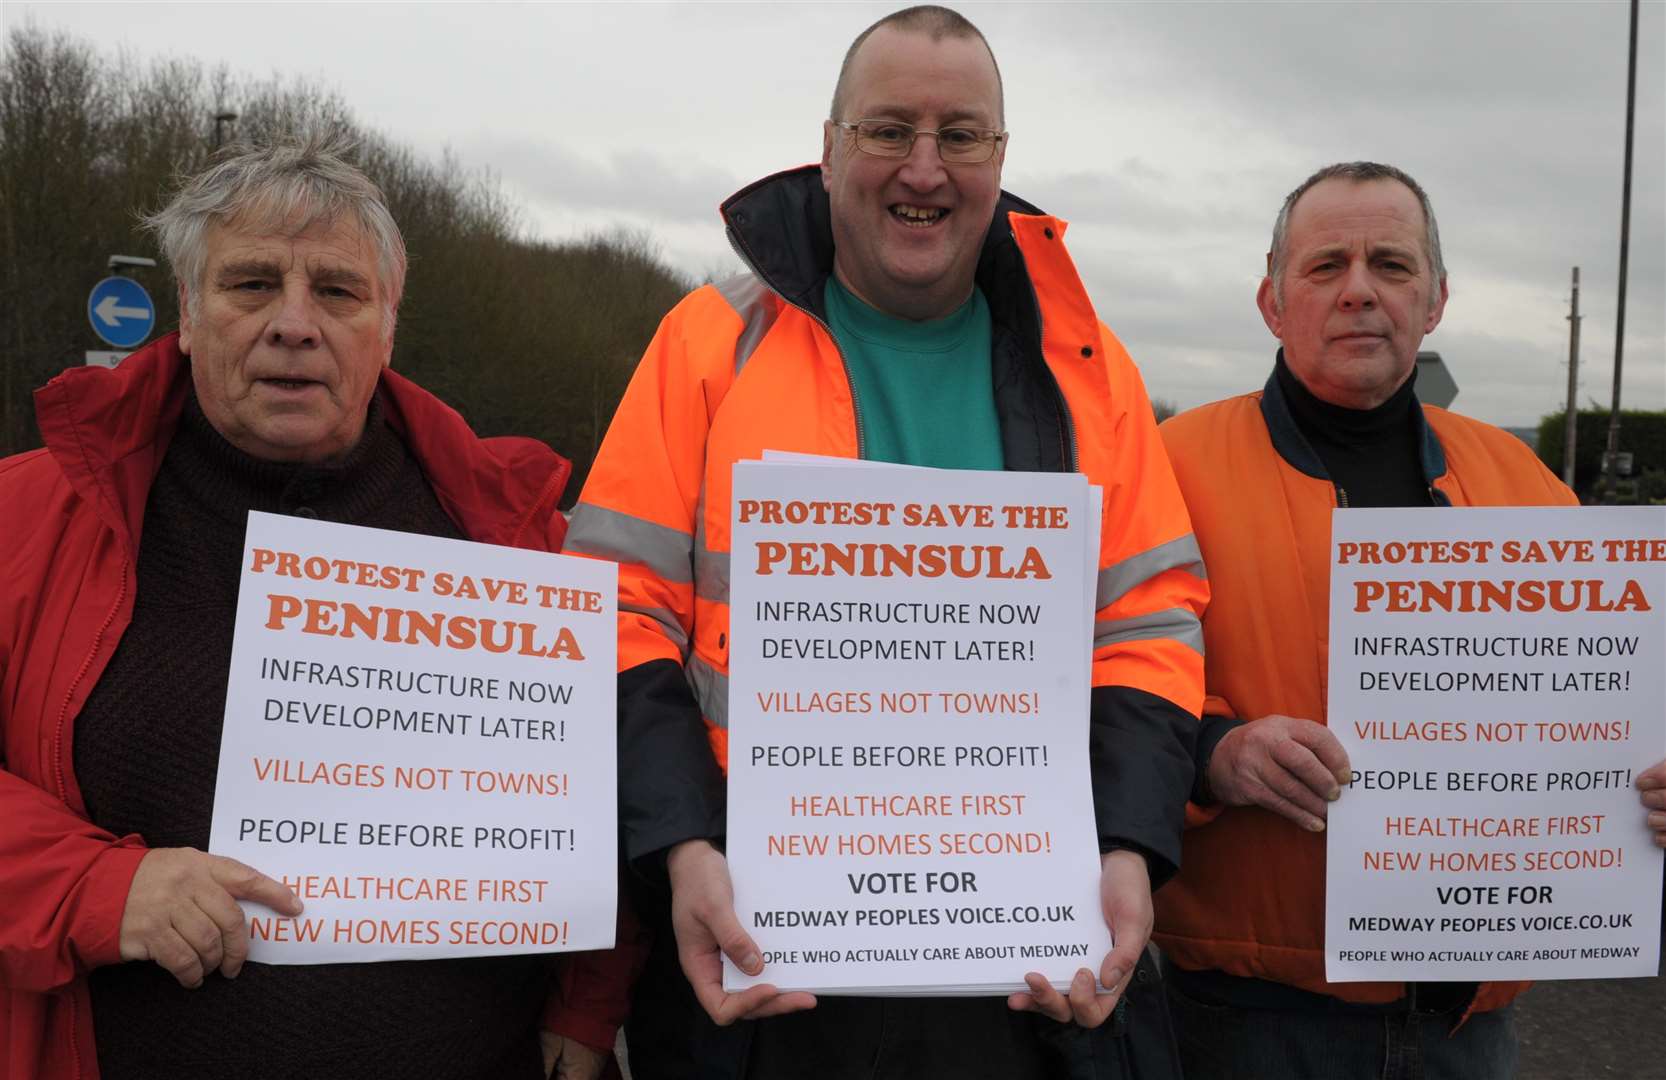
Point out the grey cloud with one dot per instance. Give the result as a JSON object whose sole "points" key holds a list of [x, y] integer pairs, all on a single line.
{"points": [[1511, 114], [1137, 197], [635, 182], [1525, 379], [1330, 59]]}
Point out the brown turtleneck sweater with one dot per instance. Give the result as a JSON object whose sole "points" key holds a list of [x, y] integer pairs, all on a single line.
{"points": [[147, 748]]}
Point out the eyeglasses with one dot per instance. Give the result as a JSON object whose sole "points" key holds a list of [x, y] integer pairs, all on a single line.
{"points": [[895, 139]]}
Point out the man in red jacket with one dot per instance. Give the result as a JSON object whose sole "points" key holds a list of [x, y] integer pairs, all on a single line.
{"points": [[1354, 281], [122, 945]]}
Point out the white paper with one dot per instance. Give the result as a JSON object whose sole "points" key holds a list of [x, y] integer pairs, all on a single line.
{"points": [[873, 763], [794, 457], [423, 800], [1492, 830]]}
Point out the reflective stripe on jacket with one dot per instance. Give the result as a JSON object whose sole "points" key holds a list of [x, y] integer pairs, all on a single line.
{"points": [[749, 364], [1251, 898]]}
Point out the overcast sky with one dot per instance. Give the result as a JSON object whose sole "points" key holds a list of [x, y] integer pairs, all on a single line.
{"points": [[1166, 133]]}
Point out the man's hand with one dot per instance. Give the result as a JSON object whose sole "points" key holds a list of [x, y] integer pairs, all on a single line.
{"points": [[703, 917], [569, 1059], [1652, 783], [1292, 767], [182, 912], [1125, 895]]}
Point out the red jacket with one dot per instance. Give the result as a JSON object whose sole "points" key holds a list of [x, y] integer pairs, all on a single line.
{"points": [[68, 561]]}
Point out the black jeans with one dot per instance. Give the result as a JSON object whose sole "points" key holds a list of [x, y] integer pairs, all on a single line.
{"points": [[1391, 1042]]}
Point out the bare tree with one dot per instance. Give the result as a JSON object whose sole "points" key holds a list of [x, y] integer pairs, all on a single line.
{"points": [[521, 336]]}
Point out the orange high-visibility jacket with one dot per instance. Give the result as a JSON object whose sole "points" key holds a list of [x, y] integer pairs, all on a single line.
{"points": [[748, 364], [1251, 899]]}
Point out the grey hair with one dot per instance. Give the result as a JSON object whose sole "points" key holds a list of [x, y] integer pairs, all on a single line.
{"points": [[287, 186], [1359, 172], [936, 22]]}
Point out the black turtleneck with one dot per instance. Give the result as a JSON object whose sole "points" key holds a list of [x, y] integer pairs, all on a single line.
{"points": [[147, 750], [1372, 455]]}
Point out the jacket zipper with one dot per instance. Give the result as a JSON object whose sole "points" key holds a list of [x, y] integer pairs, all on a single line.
{"points": [[844, 363], [63, 786], [63, 711], [1073, 463], [855, 402], [1342, 497]]}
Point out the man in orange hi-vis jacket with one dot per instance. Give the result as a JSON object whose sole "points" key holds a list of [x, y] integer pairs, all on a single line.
{"points": [[899, 306], [1354, 281]]}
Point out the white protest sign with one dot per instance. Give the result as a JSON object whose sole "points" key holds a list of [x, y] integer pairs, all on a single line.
{"points": [[909, 798], [1496, 678], [419, 740]]}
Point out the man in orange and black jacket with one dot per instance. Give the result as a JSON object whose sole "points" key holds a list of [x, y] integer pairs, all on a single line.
{"points": [[910, 231], [1355, 280]]}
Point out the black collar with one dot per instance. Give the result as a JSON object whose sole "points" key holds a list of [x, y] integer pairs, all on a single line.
{"points": [[1294, 448]]}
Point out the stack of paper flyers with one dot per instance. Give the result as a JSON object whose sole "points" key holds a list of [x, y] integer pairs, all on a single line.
{"points": [[419, 741], [1496, 681], [909, 801]]}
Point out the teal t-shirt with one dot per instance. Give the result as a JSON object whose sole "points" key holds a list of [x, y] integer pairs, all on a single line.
{"points": [[923, 389]]}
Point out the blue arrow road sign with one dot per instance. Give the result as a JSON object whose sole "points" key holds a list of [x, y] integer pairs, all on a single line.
{"points": [[121, 312]]}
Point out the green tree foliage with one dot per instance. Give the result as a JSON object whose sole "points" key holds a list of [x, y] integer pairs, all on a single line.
{"points": [[520, 336], [1641, 433]]}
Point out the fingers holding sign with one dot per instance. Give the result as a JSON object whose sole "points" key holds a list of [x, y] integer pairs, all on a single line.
{"points": [[1652, 783], [1125, 896], [703, 918], [566, 1058], [182, 912], [1293, 767]]}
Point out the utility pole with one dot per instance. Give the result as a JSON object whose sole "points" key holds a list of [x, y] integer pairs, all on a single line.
{"points": [[1610, 459], [1571, 437]]}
